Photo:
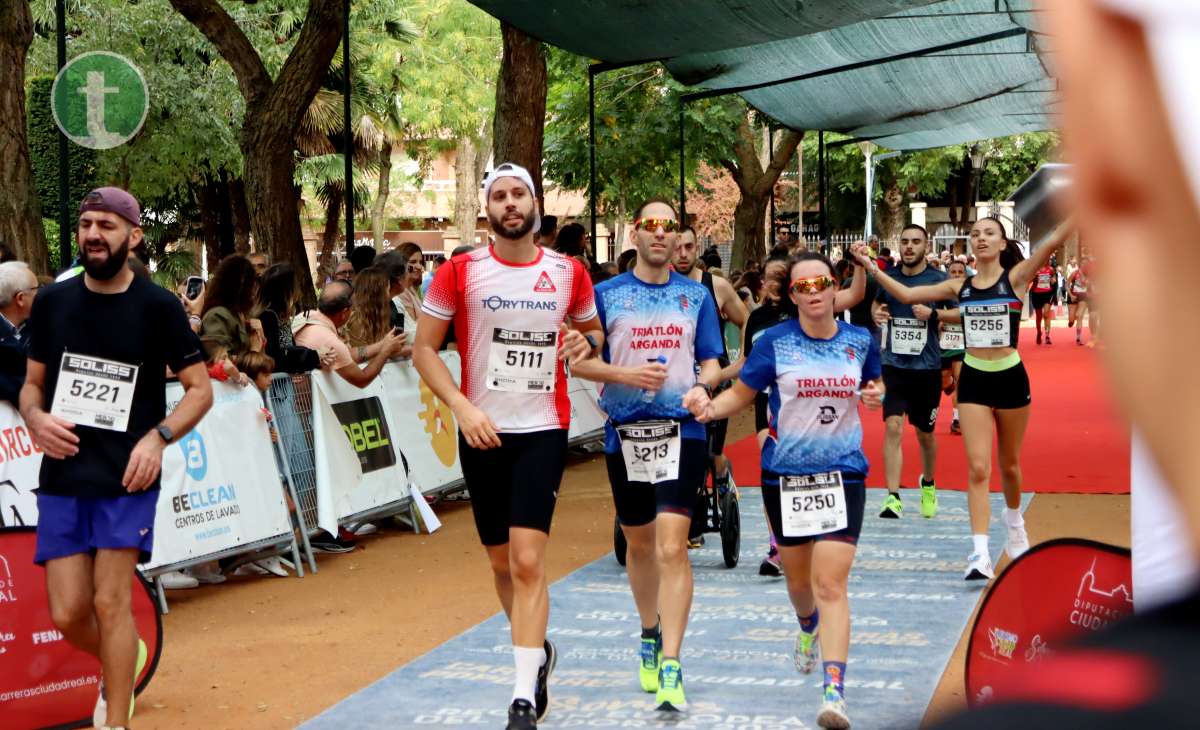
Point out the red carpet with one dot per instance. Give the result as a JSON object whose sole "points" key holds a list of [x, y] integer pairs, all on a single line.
{"points": [[1075, 441]]}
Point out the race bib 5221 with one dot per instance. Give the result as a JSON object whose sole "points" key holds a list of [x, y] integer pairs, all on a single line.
{"points": [[94, 391]]}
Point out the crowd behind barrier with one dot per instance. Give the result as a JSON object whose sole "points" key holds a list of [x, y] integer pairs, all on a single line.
{"points": [[339, 456]]}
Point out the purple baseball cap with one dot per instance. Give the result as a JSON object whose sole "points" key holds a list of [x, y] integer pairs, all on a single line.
{"points": [[113, 200]]}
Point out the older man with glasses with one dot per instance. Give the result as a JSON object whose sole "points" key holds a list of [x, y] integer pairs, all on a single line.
{"points": [[18, 286]]}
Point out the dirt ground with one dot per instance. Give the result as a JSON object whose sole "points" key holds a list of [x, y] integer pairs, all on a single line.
{"points": [[270, 652]]}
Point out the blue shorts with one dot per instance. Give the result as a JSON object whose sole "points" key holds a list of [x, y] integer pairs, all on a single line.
{"points": [[73, 525]]}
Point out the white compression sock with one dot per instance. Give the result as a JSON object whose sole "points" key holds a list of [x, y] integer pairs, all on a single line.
{"points": [[981, 545], [527, 662], [1013, 517], [956, 414]]}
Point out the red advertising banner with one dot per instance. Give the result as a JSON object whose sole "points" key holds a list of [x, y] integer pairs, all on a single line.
{"points": [[44, 681], [1057, 591]]}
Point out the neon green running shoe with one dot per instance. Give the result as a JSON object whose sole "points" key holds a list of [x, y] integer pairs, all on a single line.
{"points": [[805, 654], [928, 500], [651, 658], [670, 688], [891, 507]]}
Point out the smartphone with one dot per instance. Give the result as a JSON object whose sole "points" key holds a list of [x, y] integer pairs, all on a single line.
{"points": [[195, 285], [399, 323]]}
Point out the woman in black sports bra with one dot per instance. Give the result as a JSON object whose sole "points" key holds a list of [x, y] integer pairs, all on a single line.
{"points": [[993, 391]]}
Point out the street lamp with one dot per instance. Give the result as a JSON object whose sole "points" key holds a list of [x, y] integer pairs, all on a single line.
{"points": [[869, 160]]}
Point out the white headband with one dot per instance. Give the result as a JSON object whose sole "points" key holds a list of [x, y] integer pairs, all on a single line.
{"points": [[510, 169]]}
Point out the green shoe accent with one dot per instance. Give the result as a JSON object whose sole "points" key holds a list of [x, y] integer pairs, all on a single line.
{"points": [[651, 659], [928, 501], [670, 687], [142, 656], [891, 507], [805, 653]]}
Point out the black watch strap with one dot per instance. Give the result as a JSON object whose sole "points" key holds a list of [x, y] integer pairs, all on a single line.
{"points": [[707, 388], [165, 433], [591, 340]]}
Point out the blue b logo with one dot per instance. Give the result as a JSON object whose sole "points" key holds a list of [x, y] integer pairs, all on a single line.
{"points": [[195, 458]]}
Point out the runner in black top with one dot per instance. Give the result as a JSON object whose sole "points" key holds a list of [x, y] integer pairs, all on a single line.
{"points": [[993, 397], [95, 400]]}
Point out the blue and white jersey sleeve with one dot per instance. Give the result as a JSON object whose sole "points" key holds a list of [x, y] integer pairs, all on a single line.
{"points": [[872, 368], [709, 344]]}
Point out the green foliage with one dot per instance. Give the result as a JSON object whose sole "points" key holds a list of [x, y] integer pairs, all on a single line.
{"points": [[172, 267], [43, 153]]}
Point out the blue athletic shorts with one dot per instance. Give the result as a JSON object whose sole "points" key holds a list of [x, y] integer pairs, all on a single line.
{"points": [[73, 525]]}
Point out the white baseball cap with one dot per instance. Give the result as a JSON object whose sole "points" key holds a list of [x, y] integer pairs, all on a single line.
{"points": [[511, 169]]}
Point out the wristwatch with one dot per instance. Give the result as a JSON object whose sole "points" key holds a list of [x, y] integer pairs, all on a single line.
{"points": [[707, 388], [165, 433], [591, 340]]}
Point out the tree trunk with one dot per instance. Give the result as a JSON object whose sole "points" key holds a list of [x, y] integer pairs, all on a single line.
{"points": [[210, 223], [756, 185], [274, 109], [891, 219], [241, 216], [20, 210], [521, 105], [618, 230], [381, 194], [329, 238], [749, 235], [466, 189]]}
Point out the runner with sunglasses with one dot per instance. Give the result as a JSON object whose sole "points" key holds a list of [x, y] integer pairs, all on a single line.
{"points": [[816, 369], [732, 309], [659, 327], [993, 395]]}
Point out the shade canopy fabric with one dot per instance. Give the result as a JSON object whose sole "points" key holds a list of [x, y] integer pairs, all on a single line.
{"points": [[906, 74]]}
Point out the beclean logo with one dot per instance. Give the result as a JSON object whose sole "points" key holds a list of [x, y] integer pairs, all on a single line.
{"points": [[100, 100], [195, 456]]}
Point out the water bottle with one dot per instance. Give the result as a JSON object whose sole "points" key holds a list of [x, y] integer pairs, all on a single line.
{"points": [[648, 396]]}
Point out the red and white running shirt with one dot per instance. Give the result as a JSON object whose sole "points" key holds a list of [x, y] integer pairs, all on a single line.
{"points": [[506, 319]]}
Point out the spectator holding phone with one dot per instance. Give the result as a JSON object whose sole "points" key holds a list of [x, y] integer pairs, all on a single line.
{"points": [[319, 329], [370, 318], [276, 305]]}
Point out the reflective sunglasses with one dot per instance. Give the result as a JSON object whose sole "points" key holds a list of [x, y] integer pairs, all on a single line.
{"points": [[653, 224], [815, 285]]}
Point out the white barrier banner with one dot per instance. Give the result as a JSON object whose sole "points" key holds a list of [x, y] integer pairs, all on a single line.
{"points": [[220, 487], [586, 416], [358, 465], [20, 461], [425, 432]]}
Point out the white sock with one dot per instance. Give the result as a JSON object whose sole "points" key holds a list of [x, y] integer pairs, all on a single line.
{"points": [[1013, 517], [527, 662], [956, 414], [981, 545]]}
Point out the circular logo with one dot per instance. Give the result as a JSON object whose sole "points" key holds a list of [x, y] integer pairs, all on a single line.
{"points": [[195, 456], [100, 100]]}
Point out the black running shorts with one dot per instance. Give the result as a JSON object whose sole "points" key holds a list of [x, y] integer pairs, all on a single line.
{"points": [[1041, 299], [638, 503], [1007, 388], [515, 485], [915, 393], [856, 504]]}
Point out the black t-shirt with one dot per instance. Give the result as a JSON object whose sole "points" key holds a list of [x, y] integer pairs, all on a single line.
{"points": [[860, 314], [144, 326], [1138, 673]]}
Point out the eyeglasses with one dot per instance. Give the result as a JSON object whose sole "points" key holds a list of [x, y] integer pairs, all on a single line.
{"points": [[652, 224], [815, 285]]}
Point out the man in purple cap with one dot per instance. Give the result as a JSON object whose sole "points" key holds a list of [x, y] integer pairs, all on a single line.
{"points": [[95, 400]]}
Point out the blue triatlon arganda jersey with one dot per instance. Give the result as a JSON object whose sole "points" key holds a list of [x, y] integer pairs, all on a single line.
{"points": [[813, 397], [674, 323]]}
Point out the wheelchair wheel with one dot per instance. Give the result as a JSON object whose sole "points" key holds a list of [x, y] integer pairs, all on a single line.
{"points": [[731, 529], [619, 544]]}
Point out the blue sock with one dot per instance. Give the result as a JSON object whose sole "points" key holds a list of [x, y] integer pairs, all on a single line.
{"points": [[835, 676], [808, 624]]}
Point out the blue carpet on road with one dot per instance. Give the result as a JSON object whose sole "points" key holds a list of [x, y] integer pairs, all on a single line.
{"points": [[908, 600]]}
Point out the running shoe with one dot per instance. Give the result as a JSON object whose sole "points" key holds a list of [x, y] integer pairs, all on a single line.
{"points": [[955, 428], [541, 693], [891, 507], [521, 716], [979, 567], [1048, 341], [1017, 543], [833, 711], [1039, 337], [100, 710], [805, 653], [670, 688], [178, 580], [695, 543], [770, 566], [651, 657], [929, 501]]}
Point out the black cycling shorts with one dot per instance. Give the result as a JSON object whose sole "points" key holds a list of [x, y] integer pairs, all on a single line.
{"points": [[915, 393], [856, 504], [515, 485], [1007, 388], [1041, 299], [638, 503]]}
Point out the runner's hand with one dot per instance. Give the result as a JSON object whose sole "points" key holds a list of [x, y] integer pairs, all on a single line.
{"points": [[697, 402], [872, 396], [883, 315], [476, 427], [572, 345], [144, 463], [860, 253], [650, 376], [55, 436], [922, 312]]}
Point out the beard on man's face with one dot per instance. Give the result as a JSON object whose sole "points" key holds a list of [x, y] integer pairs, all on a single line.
{"points": [[506, 230], [109, 265]]}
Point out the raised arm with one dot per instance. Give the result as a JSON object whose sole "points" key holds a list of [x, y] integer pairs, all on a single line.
{"points": [[1022, 274], [947, 289], [848, 298]]}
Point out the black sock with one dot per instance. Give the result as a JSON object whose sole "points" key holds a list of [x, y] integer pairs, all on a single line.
{"points": [[651, 633], [926, 482]]}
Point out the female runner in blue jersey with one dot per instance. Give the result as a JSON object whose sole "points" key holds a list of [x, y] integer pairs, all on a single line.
{"points": [[816, 368], [993, 390]]}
